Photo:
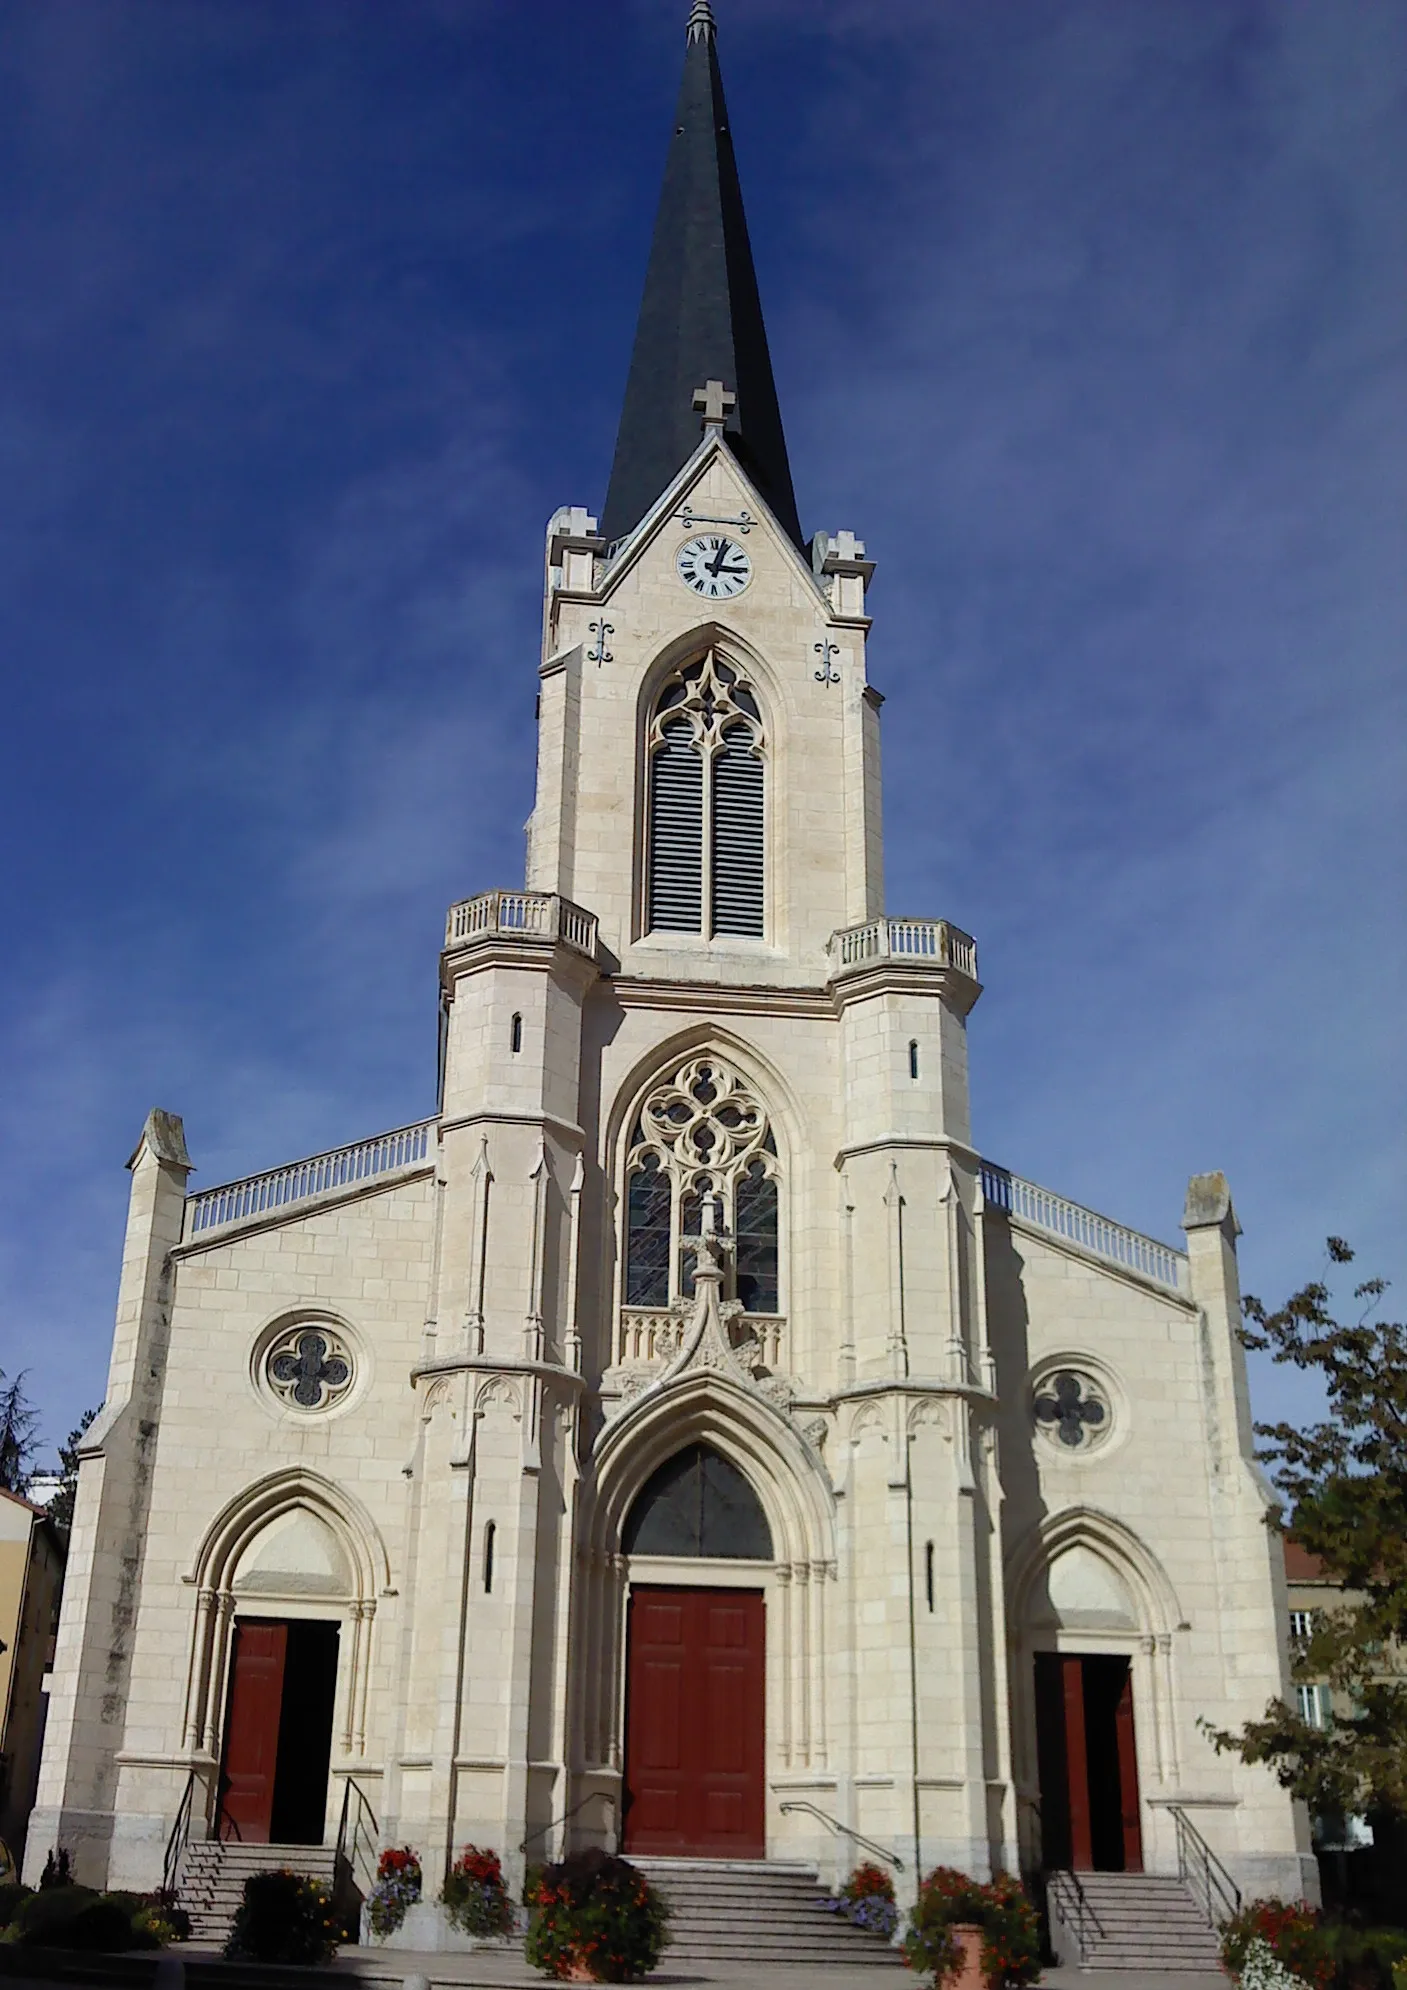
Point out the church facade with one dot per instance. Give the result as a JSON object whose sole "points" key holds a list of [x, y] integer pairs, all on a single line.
{"points": [[685, 1440]]}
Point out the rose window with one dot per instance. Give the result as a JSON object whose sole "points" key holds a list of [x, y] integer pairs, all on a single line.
{"points": [[309, 1368], [1071, 1409]]}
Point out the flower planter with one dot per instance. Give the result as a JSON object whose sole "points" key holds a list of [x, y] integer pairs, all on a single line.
{"points": [[968, 1974]]}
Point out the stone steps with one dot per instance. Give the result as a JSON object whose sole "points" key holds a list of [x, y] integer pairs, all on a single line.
{"points": [[1137, 1921], [756, 1911], [213, 1872]]}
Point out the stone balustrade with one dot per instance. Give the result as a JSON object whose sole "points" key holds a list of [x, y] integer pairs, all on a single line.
{"points": [[521, 915], [654, 1333], [1085, 1229], [924, 942], [280, 1188]]}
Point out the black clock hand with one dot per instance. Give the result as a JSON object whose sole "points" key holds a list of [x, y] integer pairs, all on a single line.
{"points": [[718, 559]]}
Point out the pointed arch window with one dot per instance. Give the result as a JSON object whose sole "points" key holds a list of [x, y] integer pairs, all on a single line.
{"points": [[706, 827], [702, 1132]]}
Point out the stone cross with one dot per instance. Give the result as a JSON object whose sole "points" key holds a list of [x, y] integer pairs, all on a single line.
{"points": [[715, 403]]}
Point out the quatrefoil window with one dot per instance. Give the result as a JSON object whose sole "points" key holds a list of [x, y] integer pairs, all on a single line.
{"points": [[1071, 1409], [309, 1368]]}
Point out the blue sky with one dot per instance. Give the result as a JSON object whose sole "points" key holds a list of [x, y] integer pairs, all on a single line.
{"points": [[1088, 317]]}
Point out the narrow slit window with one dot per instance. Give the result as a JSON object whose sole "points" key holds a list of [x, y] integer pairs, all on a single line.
{"points": [[515, 1035], [489, 1532], [928, 1574], [913, 1057]]}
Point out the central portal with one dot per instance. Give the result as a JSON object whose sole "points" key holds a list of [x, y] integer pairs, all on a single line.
{"points": [[696, 1723]]}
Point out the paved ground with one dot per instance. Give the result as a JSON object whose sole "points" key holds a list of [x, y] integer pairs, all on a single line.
{"points": [[388, 1969]]}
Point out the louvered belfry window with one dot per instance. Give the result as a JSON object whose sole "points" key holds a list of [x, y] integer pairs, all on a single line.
{"points": [[706, 827]]}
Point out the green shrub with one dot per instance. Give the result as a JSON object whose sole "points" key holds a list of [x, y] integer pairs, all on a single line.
{"points": [[597, 1913], [283, 1917], [12, 1898], [75, 1917], [1011, 1940]]}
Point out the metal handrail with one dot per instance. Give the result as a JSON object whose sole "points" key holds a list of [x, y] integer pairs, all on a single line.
{"points": [[592, 1796], [179, 1839], [350, 1838], [1202, 1871], [1061, 1884], [880, 1852]]}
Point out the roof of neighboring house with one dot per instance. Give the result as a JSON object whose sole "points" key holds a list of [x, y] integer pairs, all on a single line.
{"points": [[19, 1499], [1302, 1566]]}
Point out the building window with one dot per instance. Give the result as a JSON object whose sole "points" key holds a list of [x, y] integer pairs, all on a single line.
{"points": [[489, 1532], [928, 1573], [1315, 1706], [706, 819], [913, 1057], [515, 1035], [701, 1134], [1302, 1623]]}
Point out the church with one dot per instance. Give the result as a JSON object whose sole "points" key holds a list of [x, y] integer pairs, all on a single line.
{"points": [[685, 1441]]}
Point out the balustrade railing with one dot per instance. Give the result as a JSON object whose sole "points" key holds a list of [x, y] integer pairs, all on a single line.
{"points": [[652, 1333], [926, 942], [1202, 1872], [341, 1167], [1084, 1228], [533, 915]]}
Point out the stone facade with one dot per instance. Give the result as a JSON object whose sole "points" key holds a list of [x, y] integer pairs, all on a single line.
{"points": [[404, 1389]]}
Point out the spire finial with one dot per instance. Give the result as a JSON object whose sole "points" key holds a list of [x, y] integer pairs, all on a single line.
{"points": [[701, 22]]}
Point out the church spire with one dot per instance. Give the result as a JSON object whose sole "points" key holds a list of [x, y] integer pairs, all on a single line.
{"points": [[700, 316]]}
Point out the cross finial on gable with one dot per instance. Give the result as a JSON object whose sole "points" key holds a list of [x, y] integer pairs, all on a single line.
{"points": [[714, 402]]}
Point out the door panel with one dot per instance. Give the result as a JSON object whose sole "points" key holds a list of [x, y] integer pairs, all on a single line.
{"points": [[1129, 1818], [695, 1722], [251, 1732]]}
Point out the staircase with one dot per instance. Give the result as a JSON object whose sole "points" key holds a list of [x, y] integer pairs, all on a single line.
{"points": [[755, 1911], [1132, 1921], [214, 1870]]}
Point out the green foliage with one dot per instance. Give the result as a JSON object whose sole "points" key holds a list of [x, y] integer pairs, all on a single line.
{"points": [[12, 1898], [1346, 1483], [18, 1443], [77, 1917], [475, 1896], [1326, 1954], [58, 1868], [599, 1913], [284, 1917], [61, 1505], [1011, 1940]]}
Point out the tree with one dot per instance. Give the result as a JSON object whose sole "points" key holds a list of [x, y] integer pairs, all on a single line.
{"points": [[61, 1505], [1345, 1480], [18, 1443]]}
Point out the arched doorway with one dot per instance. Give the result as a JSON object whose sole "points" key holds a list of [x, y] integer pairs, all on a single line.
{"points": [[696, 1666]]}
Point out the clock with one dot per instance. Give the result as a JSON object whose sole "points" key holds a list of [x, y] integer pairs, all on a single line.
{"points": [[713, 566]]}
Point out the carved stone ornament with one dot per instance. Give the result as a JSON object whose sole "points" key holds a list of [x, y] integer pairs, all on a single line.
{"points": [[309, 1367]]}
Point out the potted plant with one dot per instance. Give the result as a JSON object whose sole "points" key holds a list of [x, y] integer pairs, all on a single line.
{"points": [[284, 1917], [596, 1919], [398, 1887], [867, 1899], [475, 1897], [966, 1933]]}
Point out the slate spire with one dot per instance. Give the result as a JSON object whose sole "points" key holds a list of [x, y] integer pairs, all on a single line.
{"points": [[700, 317]]}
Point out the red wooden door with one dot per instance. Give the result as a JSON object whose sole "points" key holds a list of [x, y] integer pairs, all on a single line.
{"points": [[696, 1723], [1128, 1778], [251, 1731], [1072, 1672]]}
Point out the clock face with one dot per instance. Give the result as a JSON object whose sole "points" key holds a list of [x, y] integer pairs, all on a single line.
{"points": [[713, 566]]}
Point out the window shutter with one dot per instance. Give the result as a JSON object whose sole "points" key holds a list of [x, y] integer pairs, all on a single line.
{"points": [[676, 834], [737, 838]]}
